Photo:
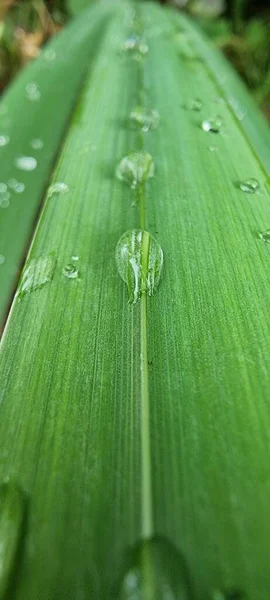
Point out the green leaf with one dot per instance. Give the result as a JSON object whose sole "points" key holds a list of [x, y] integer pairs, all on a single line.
{"points": [[141, 430], [35, 112]]}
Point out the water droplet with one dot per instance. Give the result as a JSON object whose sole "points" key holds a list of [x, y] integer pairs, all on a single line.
{"points": [[70, 271], [4, 200], [250, 186], [37, 272], [12, 510], [154, 570], [135, 46], [135, 168], [58, 188], [3, 188], [4, 140], [75, 257], [265, 236], [213, 125], [144, 118], [12, 183], [50, 55], [32, 91], [26, 163], [212, 148], [139, 260], [37, 144], [194, 104], [2, 259]]}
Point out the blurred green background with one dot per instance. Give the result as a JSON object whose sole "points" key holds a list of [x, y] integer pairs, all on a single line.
{"points": [[240, 28]]}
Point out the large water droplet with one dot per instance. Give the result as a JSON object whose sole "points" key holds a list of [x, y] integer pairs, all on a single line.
{"points": [[265, 236], [58, 188], [37, 144], [135, 46], [212, 125], [155, 570], [2, 259], [250, 186], [139, 260], [37, 272], [32, 92], [71, 271], [136, 168], [4, 140], [194, 104], [144, 118], [12, 509], [26, 163]]}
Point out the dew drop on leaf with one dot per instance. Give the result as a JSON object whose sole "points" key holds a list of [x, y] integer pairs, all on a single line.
{"points": [[59, 188], [3, 188], [4, 199], [212, 148], [135, 168], [2, 259], [135, 46], [37, 272], [26, 163], [139, 260], [265, 236], [71, 271], [194, 104], [32, 92], [212, 125], [144, 119], [250, 186], [155, 570], [12, 511], [37, 144], [4, 140]]}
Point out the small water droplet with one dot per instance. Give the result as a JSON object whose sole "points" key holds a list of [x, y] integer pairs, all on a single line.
{"points": [[212, 148], [3, 188], [194, 104], [70, 271], [213, 125], [32, 92], [19, 188], [12, 510], [4, 140], [58, 188], [37, 144], [4, 200], [139, 259], [135, 168], [265, 236], [75, 257], [250, 186], [26, 163], [144, 118], [2, 259], [135, 46], [154, 570], [50, 55], [37, 272]]}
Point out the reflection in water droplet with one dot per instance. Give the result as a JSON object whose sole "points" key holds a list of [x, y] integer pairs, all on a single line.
{"points": [[139, 260], [58, 188], [70, 271], [37, 272], [213, 125], [26, 163], [4, 140], [32, 92], [250, 186], [37, 144], [3, 188], [2, 259], [154, 570], [144, 118], [12, 510], [194, 104], [265, 236], [135, 168], [135, 46]]}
